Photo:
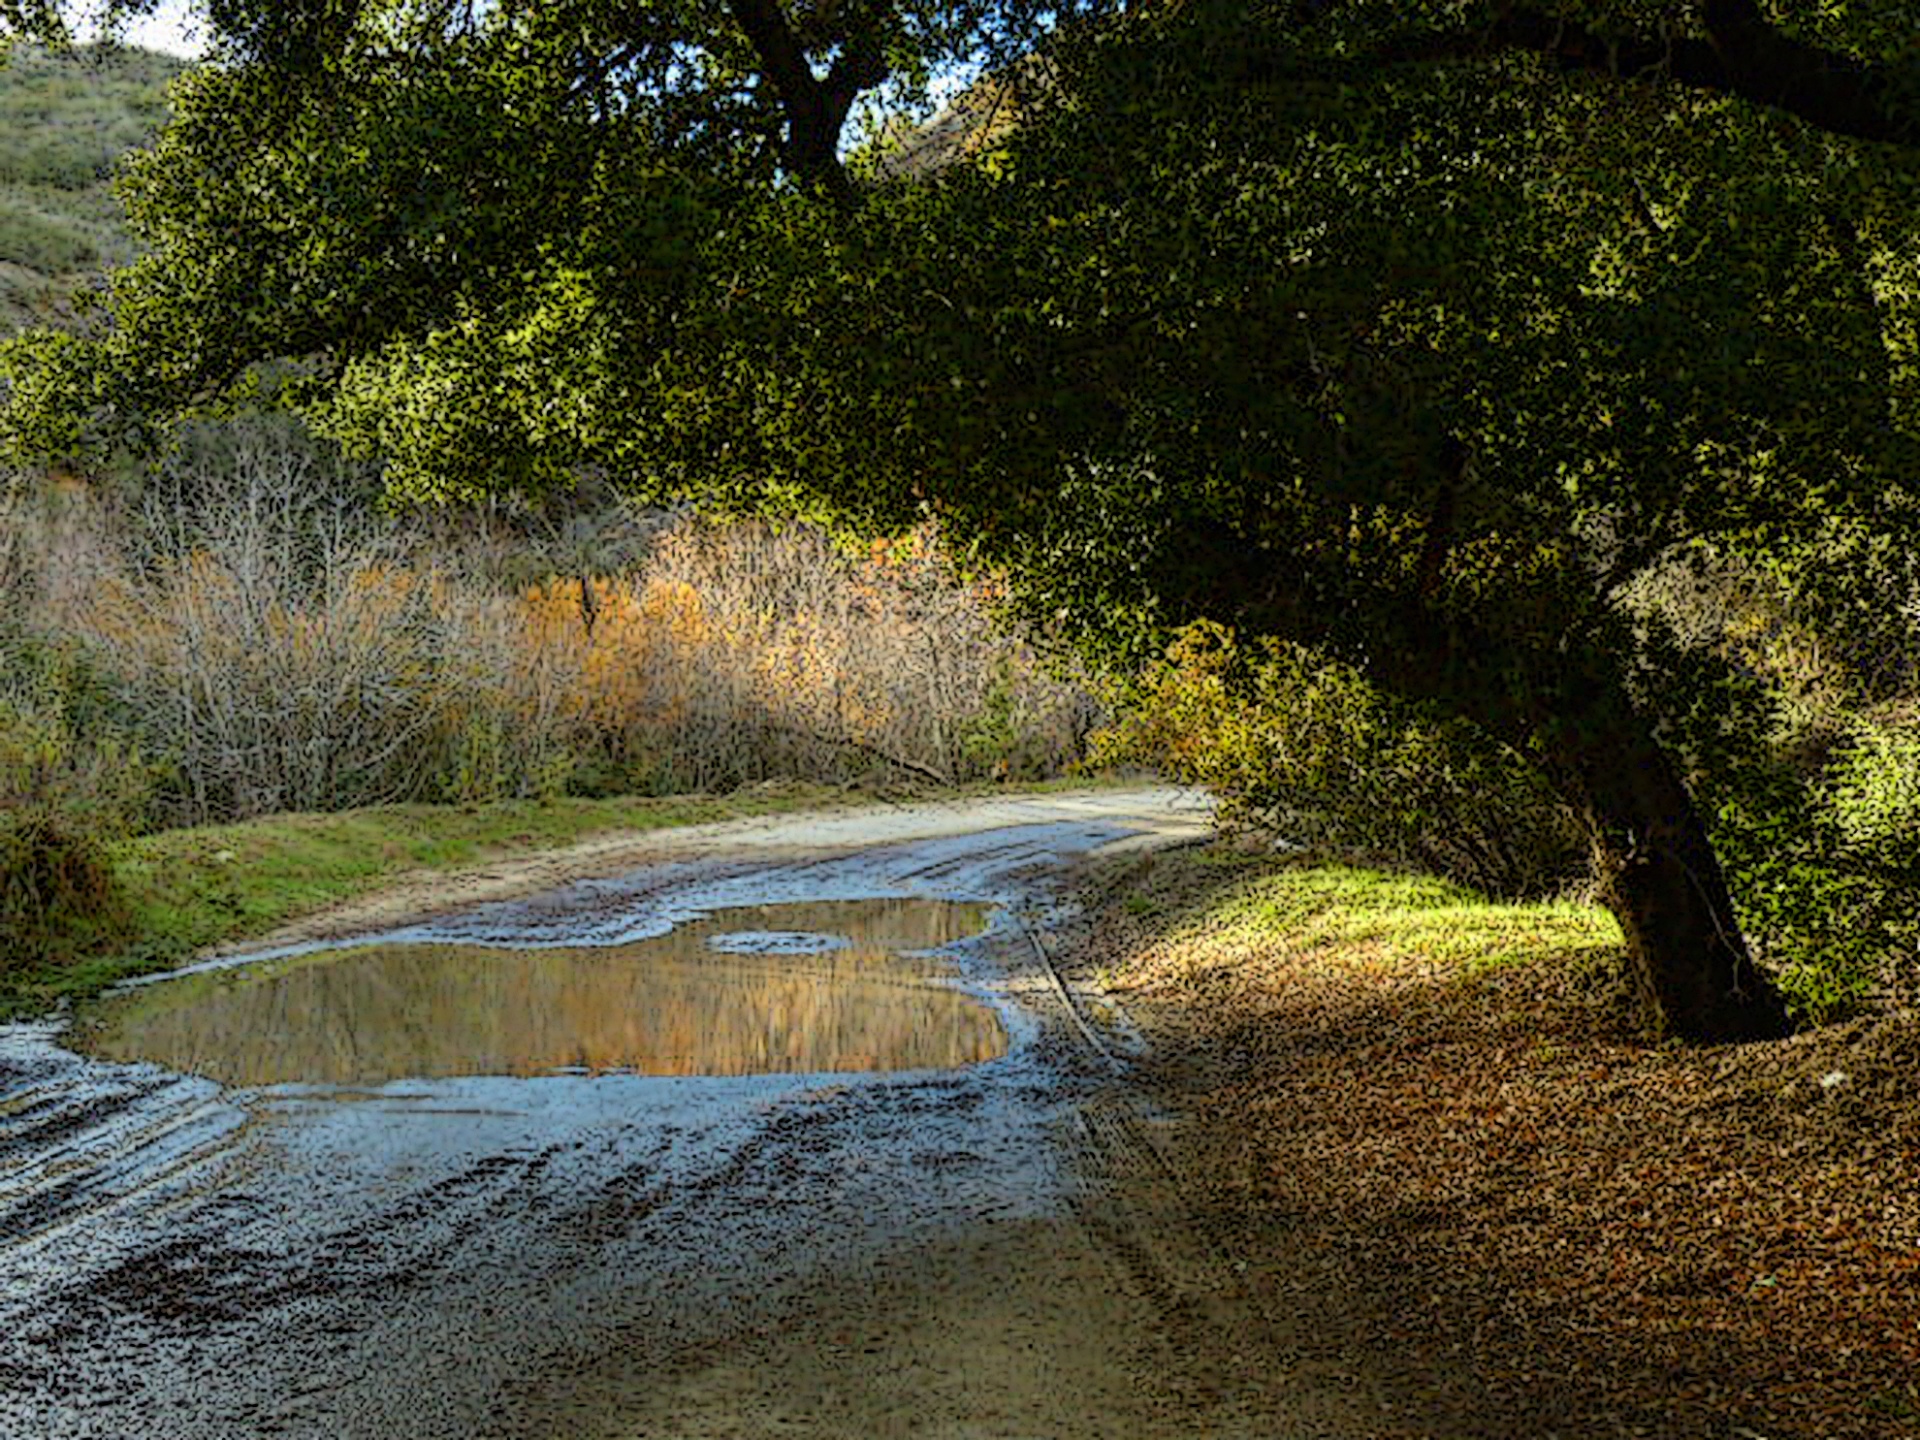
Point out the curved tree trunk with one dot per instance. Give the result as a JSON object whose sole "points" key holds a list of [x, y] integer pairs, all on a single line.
{"points": [[1553, 690], [1656, 865], [1660, 878]]}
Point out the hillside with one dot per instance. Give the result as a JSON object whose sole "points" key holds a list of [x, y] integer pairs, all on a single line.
{"points": [[65, 121]]}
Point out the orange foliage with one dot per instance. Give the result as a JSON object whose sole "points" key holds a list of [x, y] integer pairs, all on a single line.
{"points": [[274, 671]]}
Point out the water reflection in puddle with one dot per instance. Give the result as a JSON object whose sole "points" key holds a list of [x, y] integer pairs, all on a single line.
{"points": [[777, 988]]}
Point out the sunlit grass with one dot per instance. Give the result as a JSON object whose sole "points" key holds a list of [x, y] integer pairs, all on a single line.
{"points": [[1321, 916]]}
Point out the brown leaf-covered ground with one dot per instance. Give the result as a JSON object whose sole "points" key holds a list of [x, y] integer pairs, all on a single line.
{"points": [[1428, 1134]]}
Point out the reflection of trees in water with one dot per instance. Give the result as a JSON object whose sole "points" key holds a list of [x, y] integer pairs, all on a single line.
{"points": [[668, 1006]]}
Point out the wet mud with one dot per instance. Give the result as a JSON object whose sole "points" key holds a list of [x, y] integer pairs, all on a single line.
{"points": [[844, 1250]]}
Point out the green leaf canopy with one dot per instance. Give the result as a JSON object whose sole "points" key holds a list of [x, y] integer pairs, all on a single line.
{"points": [[1415, 332]]}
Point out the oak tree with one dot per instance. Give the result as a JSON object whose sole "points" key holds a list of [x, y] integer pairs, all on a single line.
{"points": [[1412, 332]]}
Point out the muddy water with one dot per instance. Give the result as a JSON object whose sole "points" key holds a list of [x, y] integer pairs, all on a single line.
{"points": [[796, 988], [612, 1256]]}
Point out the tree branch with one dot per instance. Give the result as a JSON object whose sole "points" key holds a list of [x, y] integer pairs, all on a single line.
{"points": [[1741, 56], [815, 109]]}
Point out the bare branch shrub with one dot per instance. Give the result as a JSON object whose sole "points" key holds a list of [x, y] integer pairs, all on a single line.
{"points": [[790, 656], [277, 640], [271, 642]]}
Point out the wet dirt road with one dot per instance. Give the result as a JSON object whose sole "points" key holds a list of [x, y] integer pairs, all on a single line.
{"points": [[986, 1250]]}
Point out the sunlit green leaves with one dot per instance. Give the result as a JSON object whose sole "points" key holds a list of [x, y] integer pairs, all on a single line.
{"points": [[1222, 280]]}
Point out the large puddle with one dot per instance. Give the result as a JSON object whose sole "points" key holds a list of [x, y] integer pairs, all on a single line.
{"points": [[845, 985]]}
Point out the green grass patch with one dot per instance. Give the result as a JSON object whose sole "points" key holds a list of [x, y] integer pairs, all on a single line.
{"points": [[1412, 916], [186, 890], [1305, 911]]}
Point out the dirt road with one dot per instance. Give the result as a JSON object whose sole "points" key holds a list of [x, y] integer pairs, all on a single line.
{"points": [[990, 1250]]}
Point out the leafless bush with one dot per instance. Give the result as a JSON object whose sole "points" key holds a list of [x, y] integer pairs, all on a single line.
{"points": [[808, 659], [274, 644], [56, 540]]}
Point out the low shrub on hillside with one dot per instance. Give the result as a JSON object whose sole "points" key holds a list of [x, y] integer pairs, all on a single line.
{"points": [[59, 897], [67, 120], [64, 731], [68, 790], [50, 244]]}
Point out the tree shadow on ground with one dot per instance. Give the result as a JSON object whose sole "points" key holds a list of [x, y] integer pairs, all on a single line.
{"points": [[1477, 1183]]}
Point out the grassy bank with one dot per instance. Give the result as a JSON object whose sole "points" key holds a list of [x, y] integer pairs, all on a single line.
{"points": [[1440, 1156], [186, 890]]}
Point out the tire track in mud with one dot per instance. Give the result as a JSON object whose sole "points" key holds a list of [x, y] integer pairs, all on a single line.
{"points": [[77, 1140], [461, 1258]]}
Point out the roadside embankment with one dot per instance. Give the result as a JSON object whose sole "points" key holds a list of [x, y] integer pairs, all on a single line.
{"points": [[1420, 1124], [185, 890]]}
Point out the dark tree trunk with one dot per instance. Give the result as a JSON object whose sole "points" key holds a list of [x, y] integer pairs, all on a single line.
{"points": [[1655, 864], [1565, 704], [1660, 878]]}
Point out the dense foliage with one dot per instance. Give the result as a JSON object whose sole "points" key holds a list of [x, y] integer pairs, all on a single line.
{"points": [[1419, 335], [1305, 749]]}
